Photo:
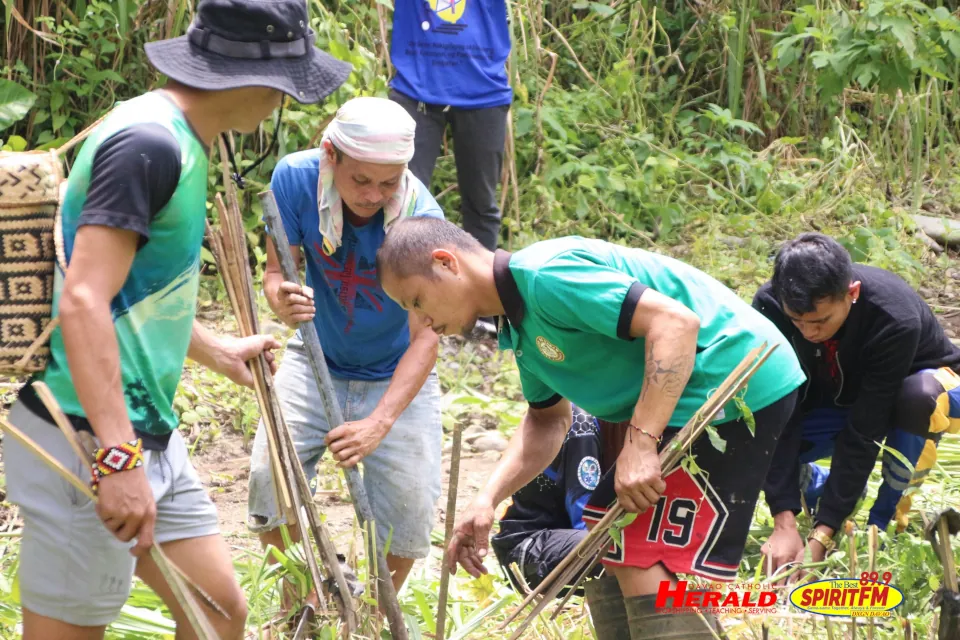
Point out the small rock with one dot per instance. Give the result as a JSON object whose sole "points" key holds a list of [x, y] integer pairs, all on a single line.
{"points": [[473, 432], [493, 456], [489, 442], [950, 333], [926, 292]]}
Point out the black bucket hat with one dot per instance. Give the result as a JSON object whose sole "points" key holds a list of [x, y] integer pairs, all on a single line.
{"points": [[251, 43]]}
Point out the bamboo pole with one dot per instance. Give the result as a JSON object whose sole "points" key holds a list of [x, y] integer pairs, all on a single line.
{"points": [[872, 562], [311, 342], [441, 626], [229, 246]]}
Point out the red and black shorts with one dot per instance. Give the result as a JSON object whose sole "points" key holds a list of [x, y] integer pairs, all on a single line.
{"points": [[701, 522]]}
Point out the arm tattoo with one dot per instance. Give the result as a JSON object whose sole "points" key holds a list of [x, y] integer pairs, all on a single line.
{"points": [[669, 376]]}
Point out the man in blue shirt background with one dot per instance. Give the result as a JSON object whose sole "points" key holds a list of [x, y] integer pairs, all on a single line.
{"points": [[336, 203], [450, 58]]}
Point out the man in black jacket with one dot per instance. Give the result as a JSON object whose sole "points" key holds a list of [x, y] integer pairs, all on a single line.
{"points": [[544, 519], [879, 370]]}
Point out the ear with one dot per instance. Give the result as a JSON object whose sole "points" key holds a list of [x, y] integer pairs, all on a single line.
{"points": [[444, 259], [854, 291], [328, 149]]}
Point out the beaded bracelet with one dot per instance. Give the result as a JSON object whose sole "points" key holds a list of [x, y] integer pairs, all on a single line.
{"points": [[658, 439], [122, 457]]}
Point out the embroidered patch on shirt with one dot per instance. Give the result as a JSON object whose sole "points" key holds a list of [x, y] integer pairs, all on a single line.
{"points": [[588, 473], [549, 350]]}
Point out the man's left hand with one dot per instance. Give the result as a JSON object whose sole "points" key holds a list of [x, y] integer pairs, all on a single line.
{"points": [[235, 353], [637, 481], [351, 442]]}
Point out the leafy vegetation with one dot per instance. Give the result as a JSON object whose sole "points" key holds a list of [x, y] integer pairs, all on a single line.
{"points": [[707, 130]]}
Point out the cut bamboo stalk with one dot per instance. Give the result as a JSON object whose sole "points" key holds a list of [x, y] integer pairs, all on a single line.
{"points": [[598, 540], [441, 626], [311, 342], [950, 569], [853, 573], [872, 562], [230, 251]]}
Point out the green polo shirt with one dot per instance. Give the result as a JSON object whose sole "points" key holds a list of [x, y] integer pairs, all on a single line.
{"points": [[569, 303]]}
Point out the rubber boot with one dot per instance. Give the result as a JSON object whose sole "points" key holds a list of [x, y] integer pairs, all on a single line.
{"points": [[647, 623], [607, 610]]}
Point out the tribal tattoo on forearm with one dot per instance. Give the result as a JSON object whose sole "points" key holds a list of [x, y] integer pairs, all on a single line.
{"points": [[668, 375]]}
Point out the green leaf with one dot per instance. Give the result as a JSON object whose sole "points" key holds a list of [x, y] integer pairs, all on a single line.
{"points": [[902, 29], [745, 411], [56, 101], [189, 417], [59, 119], [602, 9], [625, 521], [617, 536], [16, 143], [718, 443], [15, 103], [952, 40]]}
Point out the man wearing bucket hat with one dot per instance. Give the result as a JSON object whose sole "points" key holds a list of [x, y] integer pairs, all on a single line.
{"points": [[336, 203], [133, 222]]}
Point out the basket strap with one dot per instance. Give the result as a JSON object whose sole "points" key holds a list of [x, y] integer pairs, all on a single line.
{"points": [[39, 342], [77, 139]]}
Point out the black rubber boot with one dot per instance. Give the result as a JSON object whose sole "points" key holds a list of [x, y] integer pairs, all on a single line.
{"points": [[607, 610], [647, 623]]}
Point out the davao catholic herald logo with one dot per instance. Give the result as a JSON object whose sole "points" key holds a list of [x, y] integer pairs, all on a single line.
{"points": [[715, 598]]}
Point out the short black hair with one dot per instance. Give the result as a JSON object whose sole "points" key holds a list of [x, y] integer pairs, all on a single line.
{"points": [[408, 247], [810, 268]]}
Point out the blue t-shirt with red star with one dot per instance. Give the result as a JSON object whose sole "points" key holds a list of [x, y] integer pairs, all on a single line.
{"points": [[362, 331]]}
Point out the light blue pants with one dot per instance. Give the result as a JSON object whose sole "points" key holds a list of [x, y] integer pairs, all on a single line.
{"points": [[402, 475]]}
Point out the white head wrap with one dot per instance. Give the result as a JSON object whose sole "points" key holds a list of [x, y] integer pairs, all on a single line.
{"points": [[374, 130]]}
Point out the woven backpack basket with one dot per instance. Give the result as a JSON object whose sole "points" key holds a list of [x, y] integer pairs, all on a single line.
{"points": [[31, 245]]}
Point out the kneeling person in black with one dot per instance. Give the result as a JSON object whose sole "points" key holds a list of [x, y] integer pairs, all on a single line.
{"points": [[879, 369], [544, 520]]}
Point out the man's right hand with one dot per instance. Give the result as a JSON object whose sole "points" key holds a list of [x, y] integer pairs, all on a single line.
{"points": [[294, 304], [125, 504], [784, 546], [471, 538]]}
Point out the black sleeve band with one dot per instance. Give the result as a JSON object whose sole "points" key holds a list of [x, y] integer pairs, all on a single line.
{"points": [[135, 173], [549, 402], [627, 309]]}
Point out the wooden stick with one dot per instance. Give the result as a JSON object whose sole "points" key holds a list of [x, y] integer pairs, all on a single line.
{"points": [[872, 561], [441, 626], [853, 573], [290, 484], [950, 569], [201, 626], [311, 342]]}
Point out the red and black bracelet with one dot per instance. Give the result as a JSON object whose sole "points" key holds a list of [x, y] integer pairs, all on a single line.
{"points": [[122, 457]]}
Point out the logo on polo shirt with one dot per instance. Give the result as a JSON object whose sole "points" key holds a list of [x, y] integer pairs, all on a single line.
{"points": [[588, 473], [549, 350]]}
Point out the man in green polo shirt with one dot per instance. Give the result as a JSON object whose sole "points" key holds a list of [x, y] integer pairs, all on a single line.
{"points": [[639, 340]]}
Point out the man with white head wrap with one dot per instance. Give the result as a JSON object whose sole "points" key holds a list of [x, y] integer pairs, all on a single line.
{"points": [[337, 203]]}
